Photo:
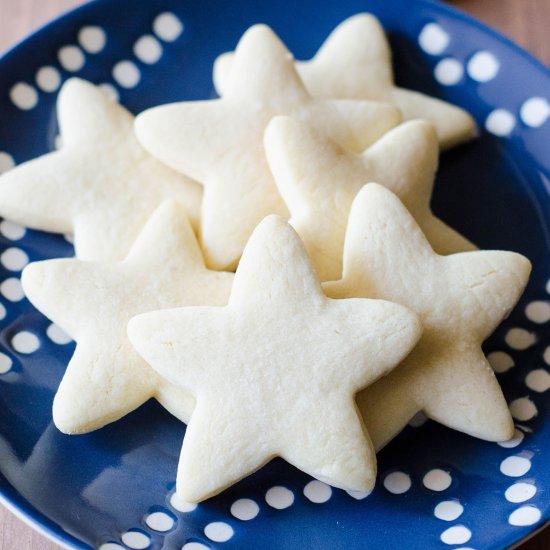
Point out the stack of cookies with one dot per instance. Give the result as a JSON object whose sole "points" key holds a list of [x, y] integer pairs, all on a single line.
{"points": [[266, 264]]}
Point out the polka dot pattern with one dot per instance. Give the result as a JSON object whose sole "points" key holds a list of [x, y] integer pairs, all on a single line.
{"points": [[136, 540], [245, 509], [458, 534], [538, 312], [14, 259], [218, 531], [148, 49], [24, 96], [526, 515], [397, 483], [520, 492], [520, 339], [6, 162], [25, 342], [523, 409], [483, 66], [514, 442], [71, 58], [437, 480], [167, 27], [11, 289], [57, 335], [180, 505], [48, 79], [500, 122], [92, 39], [538, 380], [433, 39], [535, 111], [126, 74], [500, 361], [160, 521], [279, 497], [12, 231], [515, 466], [448, 510], [449, 71], [195, 546], [5, 363], [317, 492]]}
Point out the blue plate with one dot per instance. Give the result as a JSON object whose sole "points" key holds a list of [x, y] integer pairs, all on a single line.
{"points": [[437, 489]]}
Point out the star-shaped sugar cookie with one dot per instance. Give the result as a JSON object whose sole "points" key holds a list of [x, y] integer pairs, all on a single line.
{"points": [[318, 180], [275, 372], [355, 63], [101, 185], [460, 299], [220, 142], [93, 302]]}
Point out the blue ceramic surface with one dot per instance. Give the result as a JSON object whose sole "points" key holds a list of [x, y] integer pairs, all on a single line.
{"points": [[91, 490]]}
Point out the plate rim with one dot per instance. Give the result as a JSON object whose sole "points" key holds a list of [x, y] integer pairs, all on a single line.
{"points": [[10, 498]]}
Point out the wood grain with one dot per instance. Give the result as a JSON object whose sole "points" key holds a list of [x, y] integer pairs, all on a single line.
{"points": [[525, 21]]}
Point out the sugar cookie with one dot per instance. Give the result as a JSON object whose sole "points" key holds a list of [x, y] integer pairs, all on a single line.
{"points": [[101, 185], [355, 63], [460, 299], [318, 180], [219, 142], [275, 372], [93, 301]]}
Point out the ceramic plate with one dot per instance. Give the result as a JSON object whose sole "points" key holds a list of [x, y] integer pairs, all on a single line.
{"points": [[114, 488]]}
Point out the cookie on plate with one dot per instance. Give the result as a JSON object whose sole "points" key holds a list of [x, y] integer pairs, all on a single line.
{"points": [[460, 298], [275, 372]]}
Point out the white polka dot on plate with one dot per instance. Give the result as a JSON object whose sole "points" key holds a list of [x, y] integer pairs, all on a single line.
{"points": [[538, 380], [24, 96], [520, 492], [449, 71], [58, 142], [358, 495], [437, 480], [25, 342], [136, 540], [12, 290], [514, 442], [458, 534], [546, 355], [167, 27], [245, 509], [526, 515], [6, 162], [71, 58], [126, 74], [397, 483], [92, 39], [515, 466], [535, 112], [279, 497], [148, 49], [195, 546], [538, 311], [5, 363], [181, 505], [3, 311], [448, 510], [519, 338], [111, 546], [218, 531], [317, 492], [14, 259], [48, 79], [523, 409], [160, 521], [500, 122], [433, 39], [12, 231], [500, 361], [57, 335], [483, 66]]}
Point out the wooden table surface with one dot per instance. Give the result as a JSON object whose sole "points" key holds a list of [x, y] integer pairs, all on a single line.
{"points": [[525, 21]]}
